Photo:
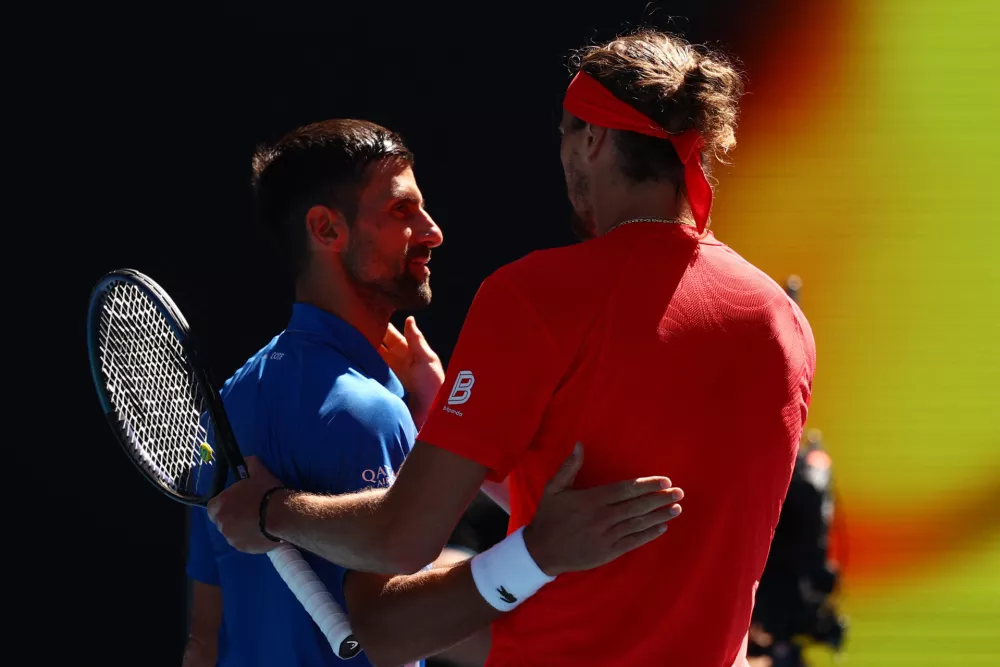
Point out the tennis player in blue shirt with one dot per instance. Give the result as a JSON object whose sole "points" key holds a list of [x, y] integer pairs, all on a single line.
{"points": [[332, 405], [319, 404]]}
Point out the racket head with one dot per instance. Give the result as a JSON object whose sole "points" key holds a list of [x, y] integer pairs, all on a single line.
{"points": [[156, 395]]}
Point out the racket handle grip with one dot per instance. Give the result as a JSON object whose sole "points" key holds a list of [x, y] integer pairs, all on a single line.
{"points": [[316, 599]]}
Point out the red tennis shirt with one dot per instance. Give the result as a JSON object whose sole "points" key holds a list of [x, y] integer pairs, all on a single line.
{"points": [[664, 354]]}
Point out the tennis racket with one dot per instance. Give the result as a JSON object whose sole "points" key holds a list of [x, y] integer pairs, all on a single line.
{"points": [[161, 405]]}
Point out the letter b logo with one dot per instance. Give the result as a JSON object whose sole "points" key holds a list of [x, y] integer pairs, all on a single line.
{"points": [[462, 389]]}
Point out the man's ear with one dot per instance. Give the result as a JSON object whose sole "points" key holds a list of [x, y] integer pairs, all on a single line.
{"points": [[327, 229], [595, 136]]}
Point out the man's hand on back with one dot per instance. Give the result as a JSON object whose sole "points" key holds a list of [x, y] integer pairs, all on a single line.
{"points": [[579, 530], [415, 364]]}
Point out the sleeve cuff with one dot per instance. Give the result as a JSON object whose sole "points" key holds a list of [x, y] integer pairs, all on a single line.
{"points": [[203, 575], [498, 467]]}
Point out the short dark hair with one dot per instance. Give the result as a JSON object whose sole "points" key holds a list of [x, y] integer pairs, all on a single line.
{"points": [[679, 85], [325, 164]]}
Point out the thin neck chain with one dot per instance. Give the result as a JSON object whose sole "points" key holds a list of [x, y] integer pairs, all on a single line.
{"points": [[660, 220]]}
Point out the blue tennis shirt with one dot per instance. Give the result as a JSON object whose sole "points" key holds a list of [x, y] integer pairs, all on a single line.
{"points": [[325, 414]]}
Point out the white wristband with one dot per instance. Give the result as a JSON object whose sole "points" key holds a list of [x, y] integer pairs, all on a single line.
{"points": [[506, 574]]}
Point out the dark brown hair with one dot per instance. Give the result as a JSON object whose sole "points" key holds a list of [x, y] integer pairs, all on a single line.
{"points": [[323, 163], [677, 84]]}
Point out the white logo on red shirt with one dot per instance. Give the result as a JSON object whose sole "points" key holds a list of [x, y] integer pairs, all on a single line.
{"points": [[462, 389]]}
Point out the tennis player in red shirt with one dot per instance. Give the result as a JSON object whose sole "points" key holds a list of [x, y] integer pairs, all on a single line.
{"points": [[653, 343]]}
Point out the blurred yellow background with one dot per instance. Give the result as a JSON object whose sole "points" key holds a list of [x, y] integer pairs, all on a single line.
{"points": [[870, 169]]}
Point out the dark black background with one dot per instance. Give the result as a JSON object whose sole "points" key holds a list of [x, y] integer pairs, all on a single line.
{"points": [[139, 132]]}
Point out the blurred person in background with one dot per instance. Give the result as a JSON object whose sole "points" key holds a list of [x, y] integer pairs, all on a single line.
{"points": [[795, 601], [794, 606], [651, 342]]}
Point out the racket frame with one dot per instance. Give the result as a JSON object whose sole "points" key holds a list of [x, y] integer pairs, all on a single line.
{"points": [[284, 557], [228, 455]]}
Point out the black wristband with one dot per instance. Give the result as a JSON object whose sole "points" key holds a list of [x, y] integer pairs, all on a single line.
{"points": [[263, 512]]}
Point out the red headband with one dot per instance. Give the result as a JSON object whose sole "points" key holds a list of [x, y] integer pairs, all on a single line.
{"points": [[592, 103]]}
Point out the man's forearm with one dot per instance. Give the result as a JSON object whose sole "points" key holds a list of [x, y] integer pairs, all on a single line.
{"points": [[206, 618], [397, 530], [200, 652], [352, 530], [408, 618], [393, 531]]}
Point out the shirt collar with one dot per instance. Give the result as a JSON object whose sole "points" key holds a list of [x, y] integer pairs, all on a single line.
{"points": [[332, 330]]}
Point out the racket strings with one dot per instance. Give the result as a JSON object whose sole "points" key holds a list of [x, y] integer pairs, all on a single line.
{"points": [[157, 402]]}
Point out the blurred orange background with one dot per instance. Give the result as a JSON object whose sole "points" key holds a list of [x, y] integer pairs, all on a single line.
{"points": [[868, 149]]}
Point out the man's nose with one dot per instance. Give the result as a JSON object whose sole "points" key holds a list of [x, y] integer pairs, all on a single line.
{"points": [[429, 233]]}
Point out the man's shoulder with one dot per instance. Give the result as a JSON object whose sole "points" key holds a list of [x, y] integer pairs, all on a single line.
{"points": [[309, 412], [293, 359], [318, 383], [755, 305], [359, 395], [286, 382], [742, 287], [545, 261], [550, 275]]}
